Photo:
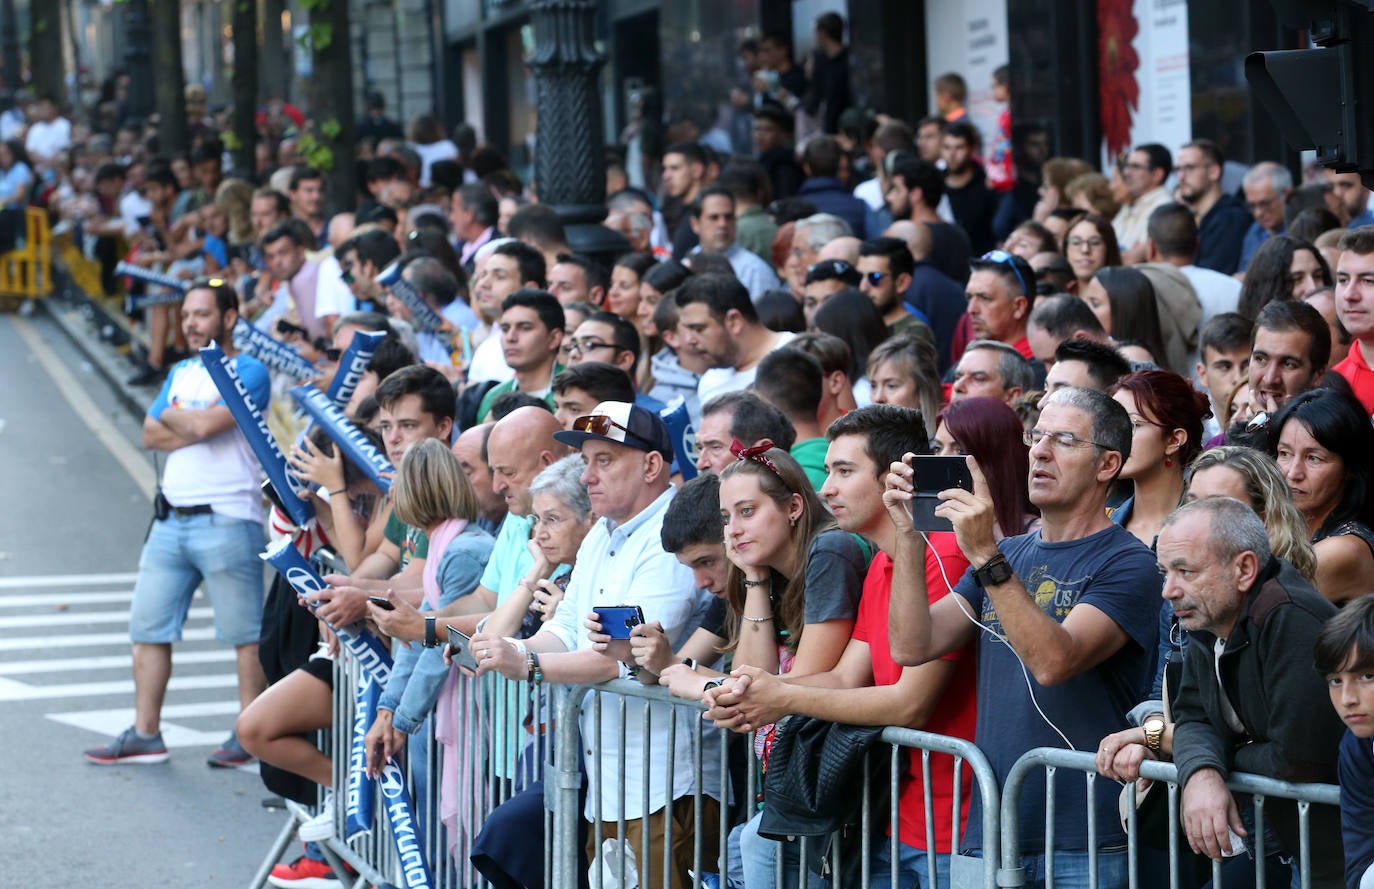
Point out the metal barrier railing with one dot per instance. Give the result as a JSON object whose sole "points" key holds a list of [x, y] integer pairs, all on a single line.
{"points": [[1052, 759], [566, 779], [510, 735]]}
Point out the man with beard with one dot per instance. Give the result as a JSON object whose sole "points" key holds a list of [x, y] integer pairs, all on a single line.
{"points": [[208, 529], [719, 322], [973, 202], [886, 266], [914, 190], [1222, 219]]}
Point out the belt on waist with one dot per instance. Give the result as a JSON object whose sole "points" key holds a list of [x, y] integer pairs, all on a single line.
{"points": [[199, 509]]}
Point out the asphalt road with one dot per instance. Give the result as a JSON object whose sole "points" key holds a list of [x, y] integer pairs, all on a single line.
{"points": [[76, 488]]}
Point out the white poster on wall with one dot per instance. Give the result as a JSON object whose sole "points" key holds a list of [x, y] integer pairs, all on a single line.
{"points": [[969, 39], [1146, 90]]}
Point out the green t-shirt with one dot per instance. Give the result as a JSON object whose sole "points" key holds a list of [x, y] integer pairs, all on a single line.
{"points": [[412, 542], [509, 386], [811, 455]]}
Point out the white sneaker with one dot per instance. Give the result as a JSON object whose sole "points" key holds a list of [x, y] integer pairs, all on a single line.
{"points": [[321, 827]]}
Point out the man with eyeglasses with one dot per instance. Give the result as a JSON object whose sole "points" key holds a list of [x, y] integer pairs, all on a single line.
{"points": [[1144, 173], [712, 219], [1267, 187], [610, 338], [531, 332], [209, 529], [885, 265], [628, 453], [1069, 603], [1222, 219]]}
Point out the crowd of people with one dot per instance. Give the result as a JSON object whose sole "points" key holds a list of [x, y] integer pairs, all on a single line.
{"points": [[1156, 376]]}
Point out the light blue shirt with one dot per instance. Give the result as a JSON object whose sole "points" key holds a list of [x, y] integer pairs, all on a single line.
{"points": [[510, 557], [624, 563], [14, 185]]}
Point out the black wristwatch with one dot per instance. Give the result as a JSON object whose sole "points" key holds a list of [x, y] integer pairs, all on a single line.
{"points": [[431, 636], [995, 571]]}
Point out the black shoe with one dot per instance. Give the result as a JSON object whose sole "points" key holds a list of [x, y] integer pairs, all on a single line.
{"points": [[147, 376]]}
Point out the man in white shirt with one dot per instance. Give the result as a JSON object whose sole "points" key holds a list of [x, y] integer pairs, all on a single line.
{"points": [[503, 267], [1145, 170], [713, 222], [49, 134], [719, 323], [628, 453]]}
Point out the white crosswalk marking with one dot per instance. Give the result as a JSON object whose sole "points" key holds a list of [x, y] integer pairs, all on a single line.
{"points": [[64, 646]]}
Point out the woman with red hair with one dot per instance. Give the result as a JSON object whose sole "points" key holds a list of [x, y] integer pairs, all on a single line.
{"points": [[992, 433], [1166, 415]]}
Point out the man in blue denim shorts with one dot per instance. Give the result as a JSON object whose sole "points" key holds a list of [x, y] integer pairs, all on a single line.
{"points": [[208, 530]]}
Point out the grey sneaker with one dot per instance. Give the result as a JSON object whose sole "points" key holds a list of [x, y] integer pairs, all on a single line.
{"points": [[129, 748], [230, 754]]}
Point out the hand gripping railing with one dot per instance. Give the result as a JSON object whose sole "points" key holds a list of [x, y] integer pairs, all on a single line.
{"points": [[1051, 759]]}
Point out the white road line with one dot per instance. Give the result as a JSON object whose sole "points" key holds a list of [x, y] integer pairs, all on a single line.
{"points": [[14, 690], [83, 618], [47, 580], [110, 662], [124, 453], [59, 599], [89, 640]]}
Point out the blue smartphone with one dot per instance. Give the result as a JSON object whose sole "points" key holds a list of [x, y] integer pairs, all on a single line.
{"points": [[618, 620]]}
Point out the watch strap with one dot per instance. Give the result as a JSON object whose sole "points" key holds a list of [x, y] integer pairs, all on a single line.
{"points": [[431, 637]]}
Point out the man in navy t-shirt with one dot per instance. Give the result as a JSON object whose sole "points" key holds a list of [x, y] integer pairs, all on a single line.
{"points": [[1074, 601]]}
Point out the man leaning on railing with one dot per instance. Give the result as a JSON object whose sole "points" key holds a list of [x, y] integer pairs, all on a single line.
{"points": [[628, 453], [1251, 700]]}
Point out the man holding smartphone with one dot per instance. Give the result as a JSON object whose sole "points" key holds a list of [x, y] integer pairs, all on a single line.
{"points": [[628, 453], [208, 529], [1067, 603]]}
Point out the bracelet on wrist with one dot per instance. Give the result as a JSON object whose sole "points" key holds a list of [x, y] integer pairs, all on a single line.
{"points": [[750, 584], [336, 493], [757, 620]]}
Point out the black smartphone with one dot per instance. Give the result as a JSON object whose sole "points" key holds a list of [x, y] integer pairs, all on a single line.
{"points": [[618, 620], [460, 648], [931, 476], [382, 602]]}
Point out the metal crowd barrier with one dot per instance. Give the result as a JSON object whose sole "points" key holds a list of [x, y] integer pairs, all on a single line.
{"points": [[511, 734], [709, 749], [1052, 759]]}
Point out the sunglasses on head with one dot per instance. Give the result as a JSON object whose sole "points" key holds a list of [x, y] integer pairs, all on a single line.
{"points": [[1002, 257], [600, 424]]}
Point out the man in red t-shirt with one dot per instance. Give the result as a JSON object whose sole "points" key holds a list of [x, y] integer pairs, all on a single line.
{"points": [[867, 687], [1355, 309]]}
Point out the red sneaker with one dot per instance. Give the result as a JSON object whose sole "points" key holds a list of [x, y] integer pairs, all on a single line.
{"points": [[304, 873]]}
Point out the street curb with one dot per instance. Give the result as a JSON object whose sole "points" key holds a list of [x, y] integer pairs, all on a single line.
{"points": [[81, 319]]}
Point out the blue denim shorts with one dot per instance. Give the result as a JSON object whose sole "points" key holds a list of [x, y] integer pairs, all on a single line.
{"points": [[179, 555]]}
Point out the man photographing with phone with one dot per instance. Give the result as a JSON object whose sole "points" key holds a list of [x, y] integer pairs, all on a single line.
{"points": [[628, 454], [1072, 600]]}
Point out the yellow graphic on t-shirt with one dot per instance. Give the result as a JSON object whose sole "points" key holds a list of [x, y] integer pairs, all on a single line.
{"points": [[1052, 595]]}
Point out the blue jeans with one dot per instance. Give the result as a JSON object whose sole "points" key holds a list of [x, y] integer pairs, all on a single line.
{"points": [[1070, 869], [180, 554], [762, 858], [913, 867]]}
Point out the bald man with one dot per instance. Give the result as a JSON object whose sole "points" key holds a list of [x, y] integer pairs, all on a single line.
{"points": [[471, 451], [936, 295]]}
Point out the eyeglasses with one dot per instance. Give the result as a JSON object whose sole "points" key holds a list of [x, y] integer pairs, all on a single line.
{"points": [[550, 523], [1089, 243], [1132, 165], [1002, 257], [875, 278], [1064, 441], [600, 424], [587, 344]]}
